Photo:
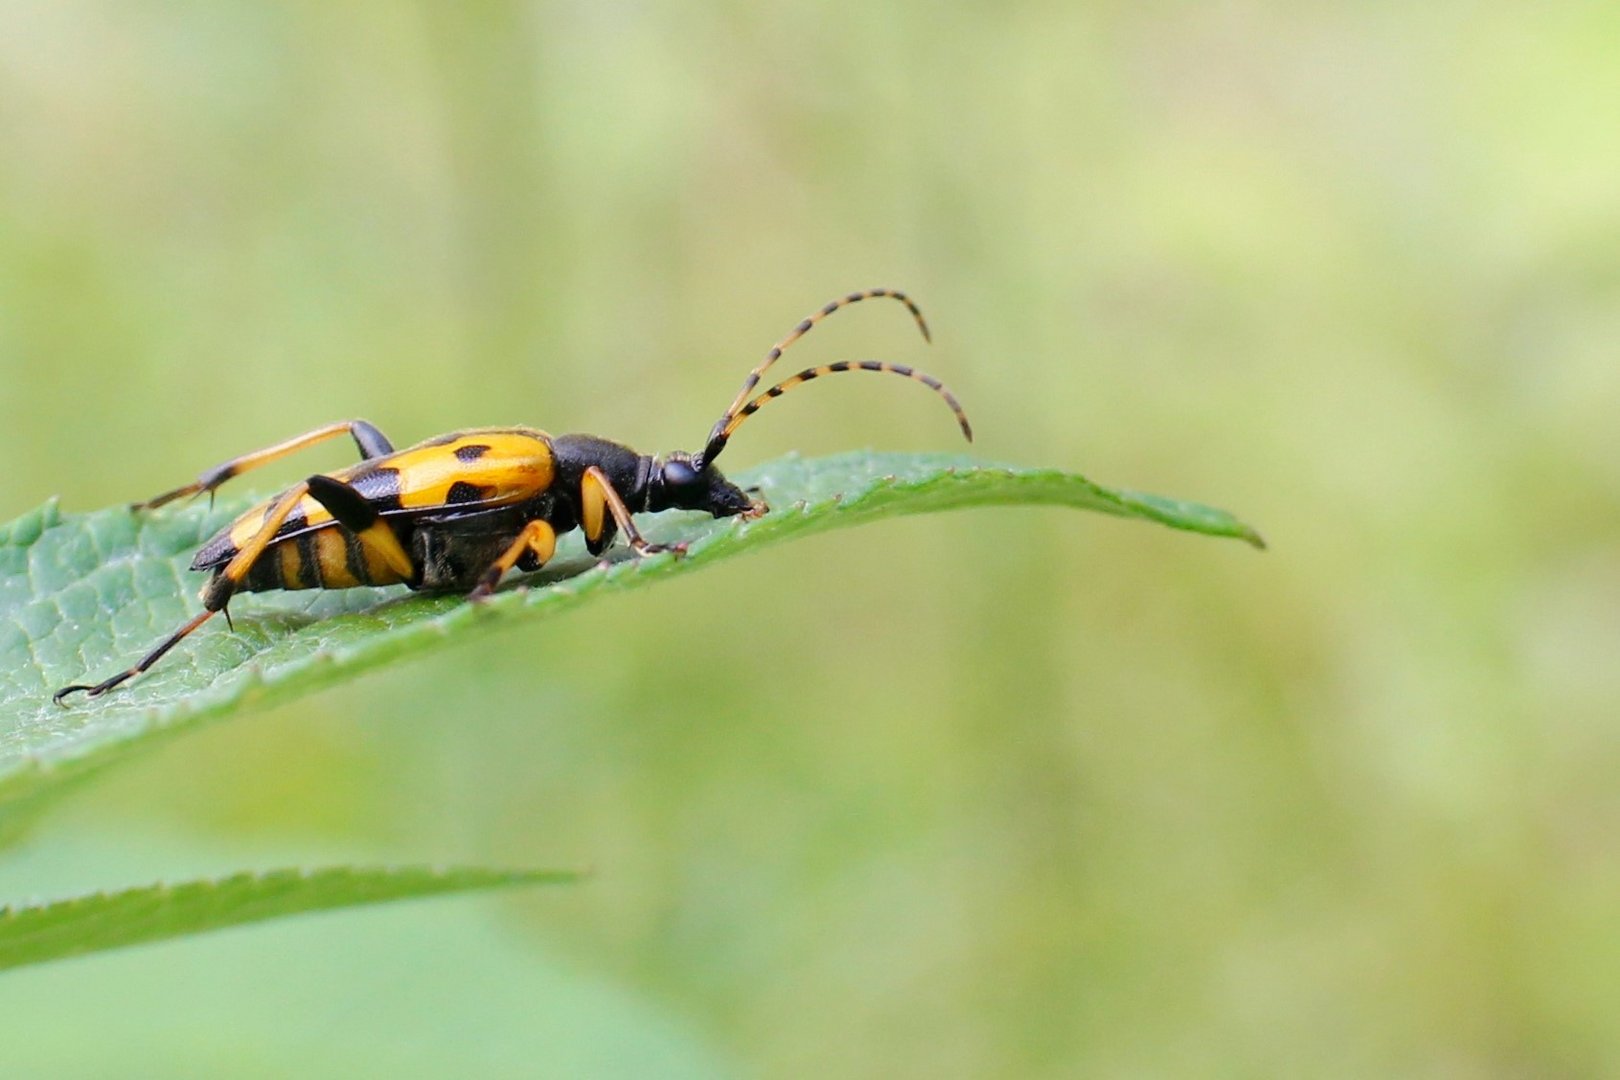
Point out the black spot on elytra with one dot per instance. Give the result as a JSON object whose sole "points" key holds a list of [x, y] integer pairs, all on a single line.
{"points": [[379, 487], [463, 492], [471, 452]]}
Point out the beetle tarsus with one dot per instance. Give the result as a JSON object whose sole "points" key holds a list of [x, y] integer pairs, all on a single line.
{"points": [[97, 690], [60, 697]]}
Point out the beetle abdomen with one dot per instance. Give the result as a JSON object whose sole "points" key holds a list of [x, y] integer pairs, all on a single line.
{"points": [[329, 558]]}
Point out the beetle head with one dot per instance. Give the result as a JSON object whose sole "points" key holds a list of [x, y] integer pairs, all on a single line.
{"points": [[681, 482]]}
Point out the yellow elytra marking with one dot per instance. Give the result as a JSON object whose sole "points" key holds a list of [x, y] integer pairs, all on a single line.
{"points": [[515, 465]]}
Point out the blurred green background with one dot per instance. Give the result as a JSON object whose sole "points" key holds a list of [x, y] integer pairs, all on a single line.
{"points": [[1001, 793]]}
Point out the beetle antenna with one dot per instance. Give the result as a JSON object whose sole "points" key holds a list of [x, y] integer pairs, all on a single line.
{"points": [[717, 439]]}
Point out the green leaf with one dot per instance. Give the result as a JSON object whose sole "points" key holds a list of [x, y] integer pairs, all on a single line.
{"points": [[83, 596], [101, 921]]}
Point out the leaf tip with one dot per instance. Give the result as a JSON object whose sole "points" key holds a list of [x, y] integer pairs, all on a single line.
{"points": [[1251, 536]]}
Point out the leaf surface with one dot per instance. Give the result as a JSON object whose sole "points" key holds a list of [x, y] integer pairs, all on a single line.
{"points": [[85, 595], [34, 933]]}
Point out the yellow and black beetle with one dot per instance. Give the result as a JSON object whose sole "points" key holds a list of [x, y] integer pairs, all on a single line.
{"points": [[457, 512]]}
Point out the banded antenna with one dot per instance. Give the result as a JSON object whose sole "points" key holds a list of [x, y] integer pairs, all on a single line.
{"points": [[741, 407]]}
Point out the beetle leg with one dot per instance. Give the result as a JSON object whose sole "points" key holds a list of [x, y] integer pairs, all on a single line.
{"points": [[372, 443], [347, 507], [596, 494], [146, 661], [538, 539], [217, 593]]}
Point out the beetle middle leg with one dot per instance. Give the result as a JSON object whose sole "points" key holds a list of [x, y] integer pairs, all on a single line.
{"points": [[537, 540], [596, 495], [371, 443]]}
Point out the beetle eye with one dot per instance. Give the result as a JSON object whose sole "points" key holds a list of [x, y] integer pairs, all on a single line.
{"points": [[679, 474]]}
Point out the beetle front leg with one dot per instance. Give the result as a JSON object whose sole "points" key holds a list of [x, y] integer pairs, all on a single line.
{"points": [[596, 494]]}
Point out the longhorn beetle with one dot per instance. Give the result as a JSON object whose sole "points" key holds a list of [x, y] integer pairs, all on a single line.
{"points": [[457, 512]]}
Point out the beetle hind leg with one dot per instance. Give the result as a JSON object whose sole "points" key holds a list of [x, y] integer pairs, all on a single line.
{"points": [[216, 595], [145, 662]]}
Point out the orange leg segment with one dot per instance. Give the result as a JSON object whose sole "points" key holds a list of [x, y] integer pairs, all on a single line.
{"points": [[596, 494], [537, 537]]}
